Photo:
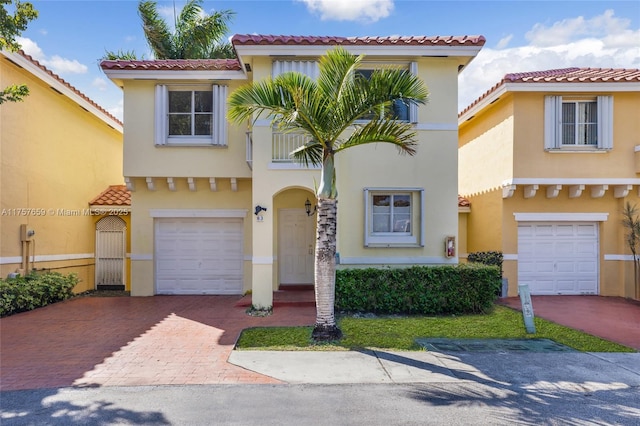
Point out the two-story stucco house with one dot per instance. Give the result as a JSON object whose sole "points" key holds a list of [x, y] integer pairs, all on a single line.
{"points": [[548, 160], [58, 151], [222, 209]]}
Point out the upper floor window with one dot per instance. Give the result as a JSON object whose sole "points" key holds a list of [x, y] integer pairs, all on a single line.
{"points": [[579, 122], [573, 123], [190, 115], [400, 110]]}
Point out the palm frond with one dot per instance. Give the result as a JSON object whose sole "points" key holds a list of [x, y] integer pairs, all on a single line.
{"points": [[156, 30], [308, 154], [394, 132]]}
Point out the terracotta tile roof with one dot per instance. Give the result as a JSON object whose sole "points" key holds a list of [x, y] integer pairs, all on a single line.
{"points": [[69, 86], [463, 202], [114, 195], [173, 65], [565, 75], [280, 40]]}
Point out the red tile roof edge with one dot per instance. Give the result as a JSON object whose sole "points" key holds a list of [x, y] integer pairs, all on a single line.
{"points": [[66, 84], [463, 202], [281, 40], [563, 75], [119, 195], [173, 64]]}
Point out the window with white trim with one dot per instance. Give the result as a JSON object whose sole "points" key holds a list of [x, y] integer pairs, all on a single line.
{"points": [[393, 217], [574, 123], [400, 109], [191, 115], [403, 111]]}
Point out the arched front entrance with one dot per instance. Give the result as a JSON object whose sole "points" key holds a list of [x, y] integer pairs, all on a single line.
{"points": [[296, 237], [111, 234]]}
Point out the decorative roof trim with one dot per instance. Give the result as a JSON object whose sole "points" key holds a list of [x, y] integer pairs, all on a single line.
{"points": [[417, 46], [570, 80], [38, 70], [289, 40]]}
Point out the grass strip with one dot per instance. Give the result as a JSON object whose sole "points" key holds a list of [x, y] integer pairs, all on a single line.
{"points": [[400, 332]]}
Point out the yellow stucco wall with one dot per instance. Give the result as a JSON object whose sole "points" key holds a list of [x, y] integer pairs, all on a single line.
{"points": [[143, 158], [142, 236], [485, 156], [531, 160], [55, 156], [505, 141], [433, 168]]}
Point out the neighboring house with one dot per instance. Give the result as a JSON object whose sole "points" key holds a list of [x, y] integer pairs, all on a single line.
{"points": [[548, 161], [58, 150], [221, 209]]}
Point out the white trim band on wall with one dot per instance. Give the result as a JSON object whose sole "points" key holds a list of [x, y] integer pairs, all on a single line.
{"points": [[622, 257], [262, 260], [181, 213], [47, 258], [509, 257], [370, 260], [561, 217]]}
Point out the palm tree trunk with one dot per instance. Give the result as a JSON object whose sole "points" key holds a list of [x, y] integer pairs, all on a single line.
{"points": [[325, 271]]}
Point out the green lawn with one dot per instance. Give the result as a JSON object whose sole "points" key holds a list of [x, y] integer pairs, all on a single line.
{"points": [[398, 333]]}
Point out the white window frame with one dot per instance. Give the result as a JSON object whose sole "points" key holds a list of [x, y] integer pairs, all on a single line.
{"points": [[414, 238], [553, 123], [219, 130]]}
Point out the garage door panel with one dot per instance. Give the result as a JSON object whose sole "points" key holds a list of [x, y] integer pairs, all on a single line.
{"points": [[199, 256], [543, 230], [564, 230], [558, 258]]}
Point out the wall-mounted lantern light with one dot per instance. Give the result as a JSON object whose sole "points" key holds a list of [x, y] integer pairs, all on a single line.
{"points": [[259, 209], [307, 208]]}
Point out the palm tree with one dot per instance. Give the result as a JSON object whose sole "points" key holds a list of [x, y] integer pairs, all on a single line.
{"points": [[196, 35], [325, 110]]}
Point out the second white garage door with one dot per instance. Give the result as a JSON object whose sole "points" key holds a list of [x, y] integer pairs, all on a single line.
{"points": [[199, 255], [558, 258]]}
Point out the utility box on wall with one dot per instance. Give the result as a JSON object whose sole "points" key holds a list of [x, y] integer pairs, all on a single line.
{"points": [[26, 234]]}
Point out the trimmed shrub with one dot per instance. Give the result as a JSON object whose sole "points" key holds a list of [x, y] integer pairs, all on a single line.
{"points": [[34, 291], [436, 290], [487, 258]]}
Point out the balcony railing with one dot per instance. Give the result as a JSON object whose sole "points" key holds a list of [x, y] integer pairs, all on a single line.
{"points": [[249, 143], [283, 144]]}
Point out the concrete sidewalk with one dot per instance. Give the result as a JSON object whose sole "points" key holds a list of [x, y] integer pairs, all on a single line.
{"points": [[591, 371]]}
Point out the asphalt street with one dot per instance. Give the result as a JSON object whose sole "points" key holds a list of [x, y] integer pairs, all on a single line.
{"points": [[464, 403]]}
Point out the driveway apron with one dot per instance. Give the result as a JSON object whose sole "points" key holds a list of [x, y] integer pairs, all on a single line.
{"points": [[122, 341]]}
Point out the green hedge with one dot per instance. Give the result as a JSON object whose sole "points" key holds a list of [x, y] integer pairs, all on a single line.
{"points": [[436, 290], [487, 258], [34, 291]]}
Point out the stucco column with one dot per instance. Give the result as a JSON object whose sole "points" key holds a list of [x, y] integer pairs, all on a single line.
{"points": [[262, 244]]}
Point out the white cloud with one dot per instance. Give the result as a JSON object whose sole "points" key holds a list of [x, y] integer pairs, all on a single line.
{"points": [[117, 111], [504, 42], [100, 83], [600, 42], [55, 63], [350, 10]]}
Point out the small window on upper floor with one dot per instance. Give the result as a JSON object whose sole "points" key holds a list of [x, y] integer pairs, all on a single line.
{"points": [[190, 115], [578, 123]]}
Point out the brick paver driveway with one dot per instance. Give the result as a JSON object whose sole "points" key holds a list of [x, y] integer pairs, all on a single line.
{"points": [[120, 341]]}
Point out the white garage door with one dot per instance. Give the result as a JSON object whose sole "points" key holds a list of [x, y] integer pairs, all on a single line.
{"points": [[199, 255], [558, 258]]}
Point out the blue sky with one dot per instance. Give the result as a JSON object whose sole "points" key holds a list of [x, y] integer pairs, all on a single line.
{"points": [[69, 37]]}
